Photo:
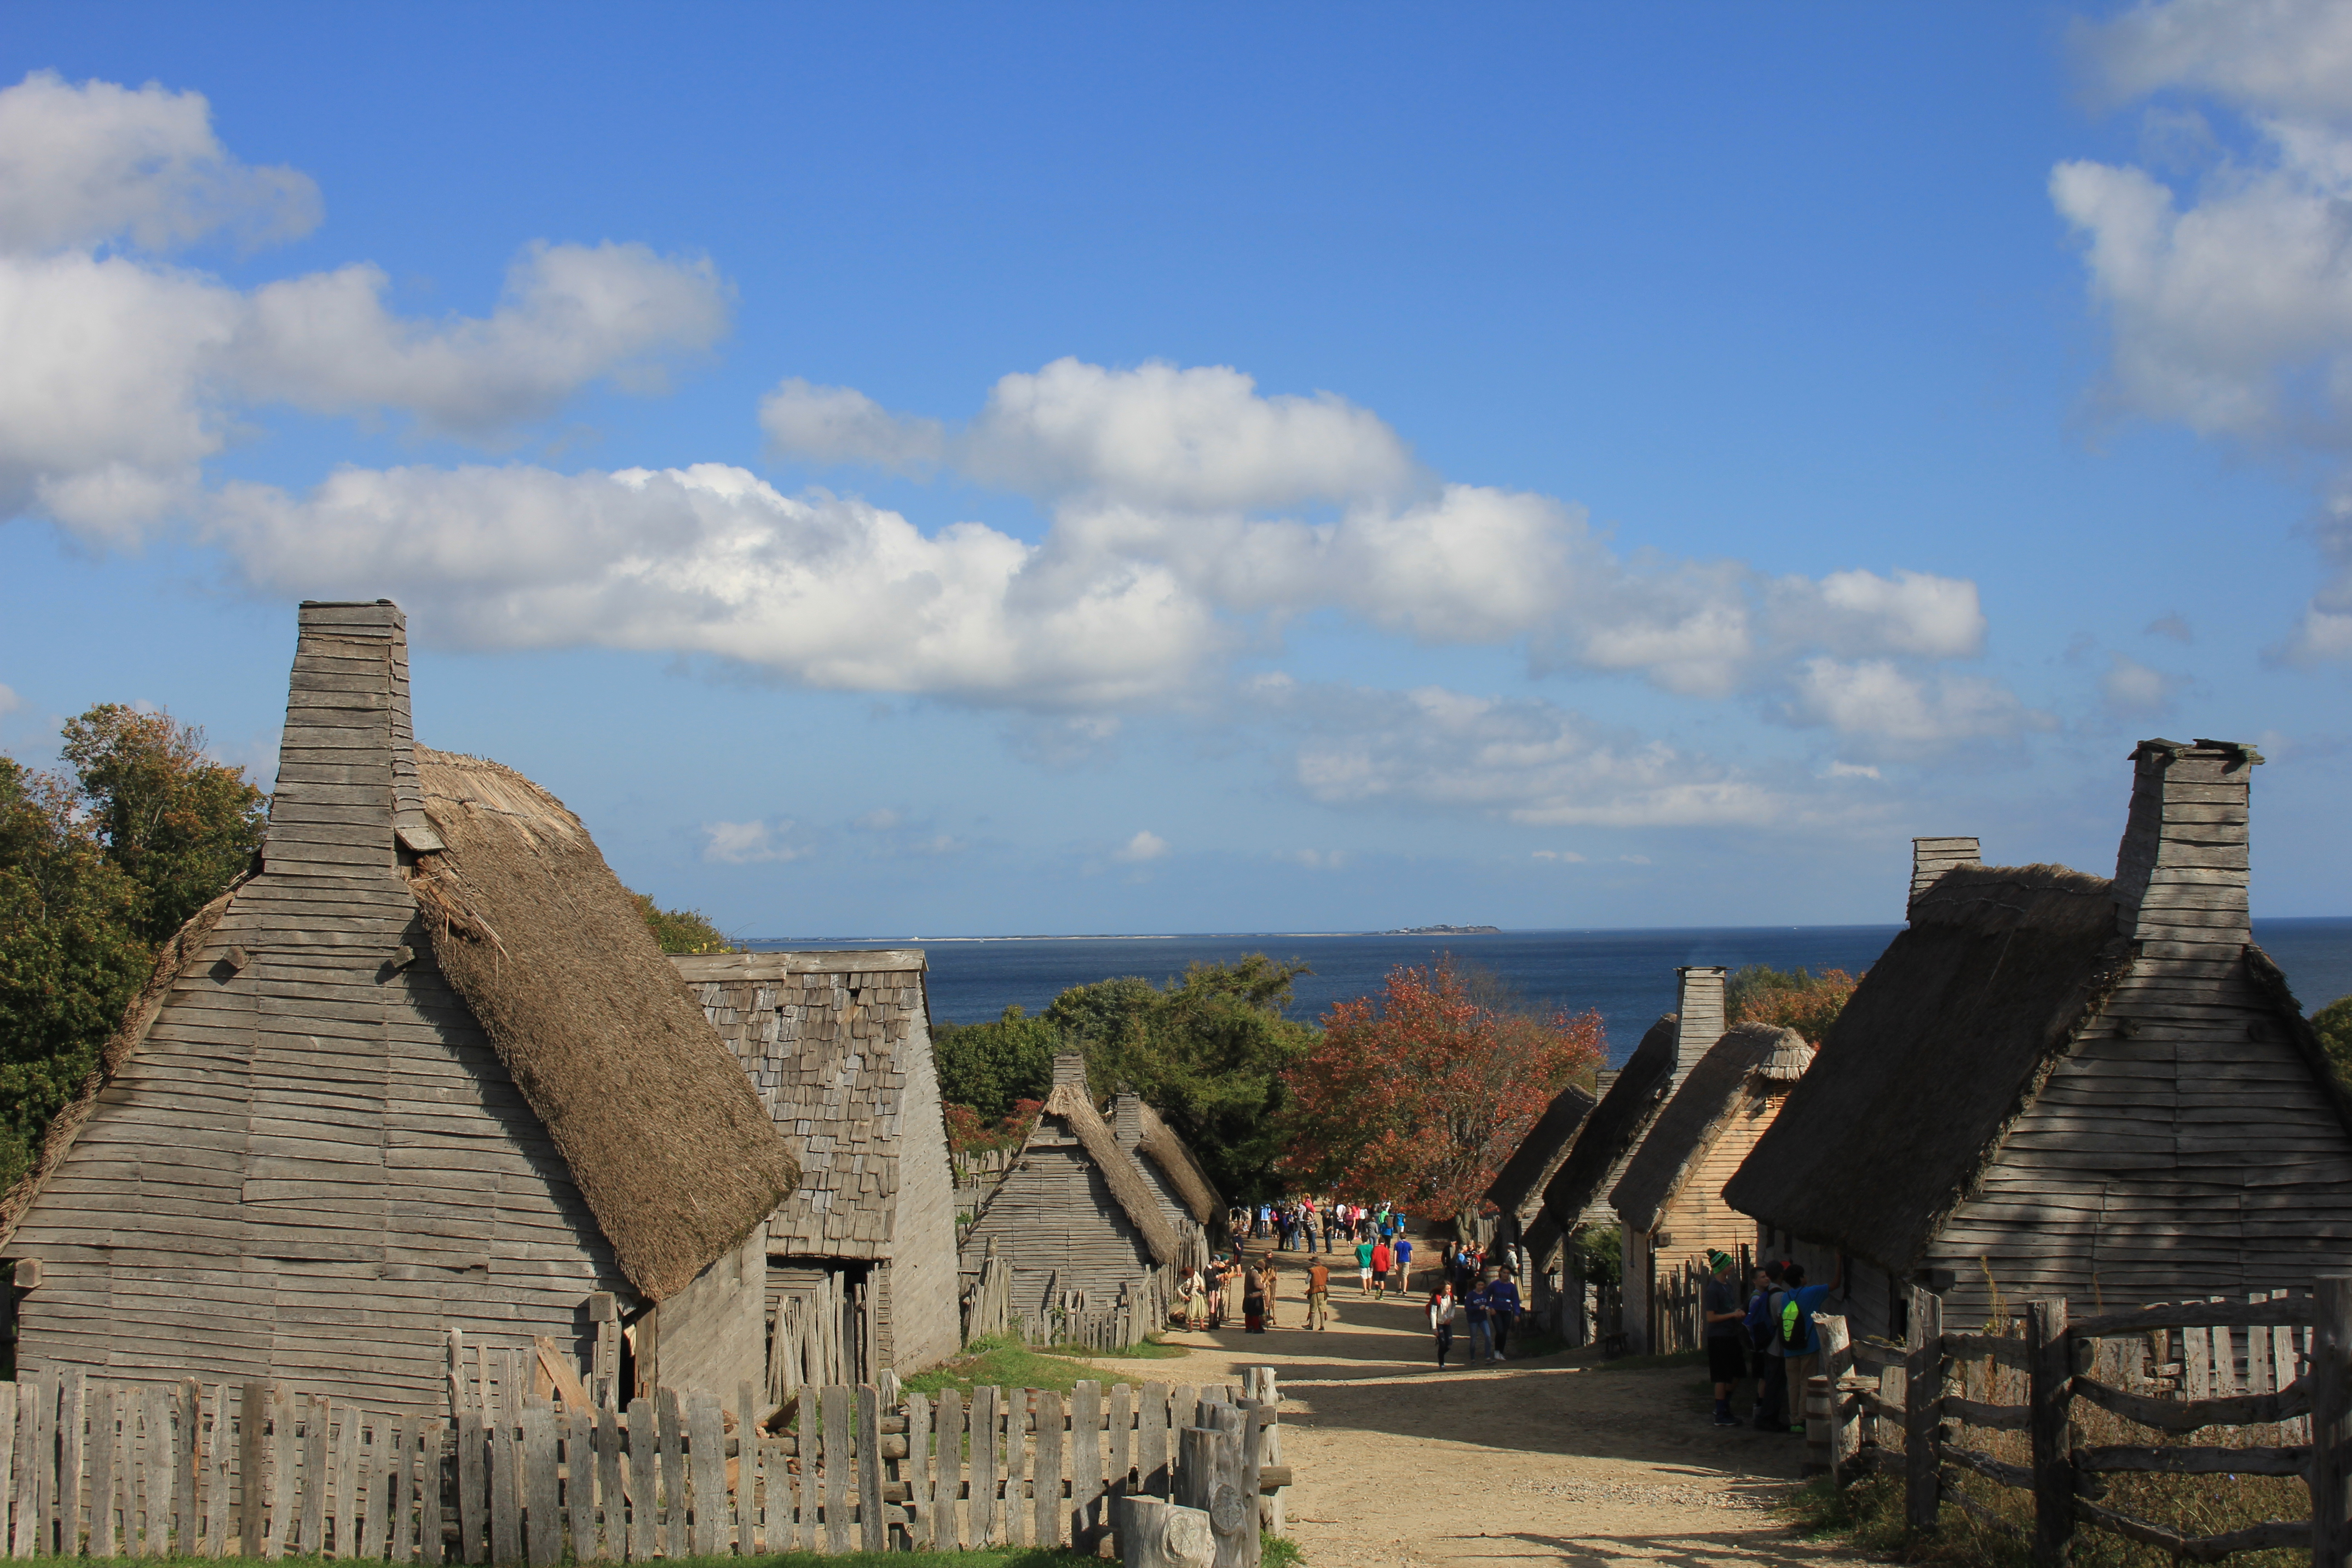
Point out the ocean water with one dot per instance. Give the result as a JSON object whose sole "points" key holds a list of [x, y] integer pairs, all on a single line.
{"points": [[1627, 975]]}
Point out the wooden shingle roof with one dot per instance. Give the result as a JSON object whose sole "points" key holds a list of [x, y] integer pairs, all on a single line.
{"points": [[824, 1037]]}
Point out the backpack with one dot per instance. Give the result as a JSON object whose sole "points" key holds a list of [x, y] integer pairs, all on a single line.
{"points": [[1763, 1323], [1794, 1323]]}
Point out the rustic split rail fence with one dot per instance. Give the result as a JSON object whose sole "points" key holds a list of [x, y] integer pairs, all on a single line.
{"points": [[1067, 1317], [259, 1470], [2277, 1363]]}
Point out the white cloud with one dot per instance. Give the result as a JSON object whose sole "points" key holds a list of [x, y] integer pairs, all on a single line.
{"points": [[1878, 698], [1850, 771], [2230, 299], [1526, 762], [1145, 846], [841, 424], [2131, 689], [748, 843], [123, 375], [1634, 860], [881, 820], [2175, 626], [80, 165], [9, 702], [1317, 860], [1560, 857]]}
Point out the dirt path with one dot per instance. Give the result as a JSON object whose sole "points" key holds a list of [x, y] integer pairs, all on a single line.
{"points": [[1531, 1462]]}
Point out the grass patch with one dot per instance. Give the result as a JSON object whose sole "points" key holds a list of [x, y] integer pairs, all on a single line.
{"points": [[1152, 1347], [1652, 1363], [1277, 1552], [996, 1362]]}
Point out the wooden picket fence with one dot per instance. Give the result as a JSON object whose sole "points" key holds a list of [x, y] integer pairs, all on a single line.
{"points": [[108, 1469], [1073, 1317], [2278, 1363]]}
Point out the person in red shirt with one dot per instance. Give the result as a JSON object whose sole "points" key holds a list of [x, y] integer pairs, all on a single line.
{"points": [[1383, 1259]]}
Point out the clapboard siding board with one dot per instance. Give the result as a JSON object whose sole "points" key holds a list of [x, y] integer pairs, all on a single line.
{"points": [[1053, 1217]]}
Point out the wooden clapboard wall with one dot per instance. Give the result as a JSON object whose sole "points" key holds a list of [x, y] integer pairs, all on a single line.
{"points": [[313, 1163], [1056, 1223]]}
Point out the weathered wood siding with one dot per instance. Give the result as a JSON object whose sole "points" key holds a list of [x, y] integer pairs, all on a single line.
{"points": [[1696, 1219], [1055, 1218], [712, 1334], [315, 1164], [920, 1296]]}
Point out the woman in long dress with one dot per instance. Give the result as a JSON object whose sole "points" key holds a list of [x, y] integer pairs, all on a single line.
{"points": [[1196, 1302]]}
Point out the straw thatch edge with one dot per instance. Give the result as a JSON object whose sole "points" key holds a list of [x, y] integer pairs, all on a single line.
{"points": [[1718, 1085], [1519, 1186], [172, 963], [1126, 1182], [1180, 1166]]}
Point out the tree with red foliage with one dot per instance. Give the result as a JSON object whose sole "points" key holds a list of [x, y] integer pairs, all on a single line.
{"points": [[1421, 1093]]}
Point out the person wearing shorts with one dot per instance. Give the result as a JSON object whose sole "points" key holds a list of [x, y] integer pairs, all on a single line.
{"points": [[1404, 1266], [1383, 1258], [1363, 1267], [1726, 1333]]}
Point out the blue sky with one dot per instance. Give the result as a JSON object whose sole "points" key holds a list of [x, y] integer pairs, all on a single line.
{"points": [[920, 471]]}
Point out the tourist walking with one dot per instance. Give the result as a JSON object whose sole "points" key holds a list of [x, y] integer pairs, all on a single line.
{"points": [[1403, 1250], [1383, 1259], [1363, 1269], [1503, 1308], [1269, 1280], [1726, 1337], [1318, 1294], [1253, 1302], [1474, 1312], [1442, 1310]]}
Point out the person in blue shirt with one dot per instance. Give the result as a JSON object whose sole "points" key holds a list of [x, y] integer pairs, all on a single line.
{"points": [[1403, 1250], [1503, 1311], [1796, 1341], [1474, 1312]]}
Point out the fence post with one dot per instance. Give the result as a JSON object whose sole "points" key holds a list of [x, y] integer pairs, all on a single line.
{"points": [[1923, 1368], [2331, 1420], [2051, 1400]]}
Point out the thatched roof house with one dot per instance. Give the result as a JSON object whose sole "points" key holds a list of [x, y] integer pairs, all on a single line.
{"points": [[861, 1269], [2062, 1084], [1578, 1193], [1519, 1186], [1074, 1215], [1187, 1197], [424, 1067], [1670, 1200]]}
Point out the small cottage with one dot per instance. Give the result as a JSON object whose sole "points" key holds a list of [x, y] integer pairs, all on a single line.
{"points": [[2056, 1084], [1577, 1196], [861, 1264], [1518, 1187], [1187, 1197], [423, 1067], [1670, 1200], [1074, 1216]]}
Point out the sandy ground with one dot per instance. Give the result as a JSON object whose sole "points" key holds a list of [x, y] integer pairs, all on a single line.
{"points": [[1531, 1462]]}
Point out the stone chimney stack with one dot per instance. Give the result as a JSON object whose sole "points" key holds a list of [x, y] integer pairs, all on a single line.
{"points": [[1072, 1070], [1931, 857], [1127, 1119], [1603, 1082], [1700, 1023], [2181, 871]]}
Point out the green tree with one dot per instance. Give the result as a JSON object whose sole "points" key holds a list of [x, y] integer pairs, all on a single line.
{"points": [[1207, 1050], [989, 1068], [179, 825], [682, 931], [2334, 1023]]}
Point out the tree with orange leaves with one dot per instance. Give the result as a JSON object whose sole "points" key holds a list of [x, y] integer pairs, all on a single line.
{"points": [[1421, 1093]]}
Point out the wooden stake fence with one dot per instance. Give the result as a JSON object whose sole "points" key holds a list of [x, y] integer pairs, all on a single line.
{"points": [[116, 1469], [2177, 1368]]}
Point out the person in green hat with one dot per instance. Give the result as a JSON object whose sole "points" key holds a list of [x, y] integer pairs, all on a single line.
{"points": [[1726, 1346]]}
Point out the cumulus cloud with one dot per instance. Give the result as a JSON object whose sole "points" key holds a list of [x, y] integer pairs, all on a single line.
{"points": [[9, 702], [1905, 711], [2131, 690], [1319, 859], [125, 374], [1145, 846], [746, 842], [841, 424], [2229, 299], [1560, 857], [1524, 762]]}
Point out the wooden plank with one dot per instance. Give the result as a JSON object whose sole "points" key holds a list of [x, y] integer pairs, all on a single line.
{"points": [[395, 1489], [872, 1535], [313, 1511], [105, 1456], [369, 1484], [8, 1455], [22, 1533], [983, 1533], [804, 1532], [1924, 1387], [160, 1471], [1086, 1465], [473, 1485], [220, 1447], [1051, 1519], [1151, 1442], [1182, 1399], [707, 1465], [2189, 1415], [838, 1458], [580, 1479], [673, 1472], [2051, 1398], [1122, 1447], [187, 1472], [542, 1497], [283, 1457], [2199, 1461], [612, 1543], [922, 1511], [947, 1448], [506, 1487], [638, 1479]]}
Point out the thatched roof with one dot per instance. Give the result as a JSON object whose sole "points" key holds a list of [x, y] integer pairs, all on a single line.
{"points": [[1176, 1160], [1069, 1105], [1945, 1042], [178, 956], [664, 1136], [1521, 1181], [833, 1043], [1749, 1061], [1607, 1141]]}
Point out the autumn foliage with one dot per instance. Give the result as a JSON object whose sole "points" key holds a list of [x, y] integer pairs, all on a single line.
{"points": [[967, 1134], [1421, 1093], [1791, 999]]}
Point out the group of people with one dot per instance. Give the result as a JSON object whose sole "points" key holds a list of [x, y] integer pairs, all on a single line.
{"points": [[1485, 1299], [1205, 1297], [1303, 1225], [1767, 1333]]}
